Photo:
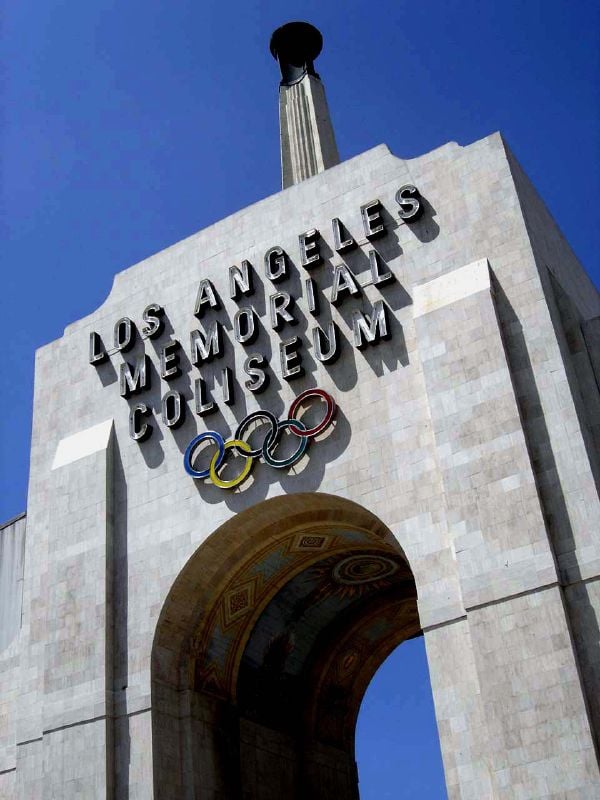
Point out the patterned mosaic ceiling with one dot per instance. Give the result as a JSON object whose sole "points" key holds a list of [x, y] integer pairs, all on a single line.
{"points": [[301, 616]]}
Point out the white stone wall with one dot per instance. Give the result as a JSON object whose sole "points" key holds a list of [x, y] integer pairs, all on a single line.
{"points": [[432, 436], [12, 553]]}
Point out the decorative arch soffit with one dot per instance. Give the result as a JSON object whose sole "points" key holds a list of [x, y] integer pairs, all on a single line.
{"points": [[313, 584]]}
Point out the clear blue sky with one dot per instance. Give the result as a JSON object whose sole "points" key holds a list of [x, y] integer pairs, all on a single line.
{"points": [[130, 125]]}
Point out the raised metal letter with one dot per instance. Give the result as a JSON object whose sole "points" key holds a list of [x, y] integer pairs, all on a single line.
{"points": [[124, 334], [98, 354], [378, 278], [339, 230], [169, 361], [206, 295], [309, 249], [133, 383], [228, 396], [172, 409], [372, 220], [370, 331], [278, 304], [138, 429], [244, 325], [206, 346], [240, 280], [408, 198], [290, 358], [343, 281], [152, 316], [276, 264], [253, 367], [326, 345], [311, 297], [204, 405]]}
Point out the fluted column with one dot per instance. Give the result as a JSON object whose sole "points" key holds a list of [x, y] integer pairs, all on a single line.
{"points": [[307, 139]]}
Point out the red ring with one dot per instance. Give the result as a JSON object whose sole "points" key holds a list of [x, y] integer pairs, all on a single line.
{"points": [[311, 432]]}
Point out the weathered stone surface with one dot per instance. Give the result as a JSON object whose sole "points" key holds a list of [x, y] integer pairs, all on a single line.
{"points": [[465, 442]]}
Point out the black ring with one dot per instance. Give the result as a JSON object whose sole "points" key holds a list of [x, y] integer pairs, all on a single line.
{"points": [[241, 428]]}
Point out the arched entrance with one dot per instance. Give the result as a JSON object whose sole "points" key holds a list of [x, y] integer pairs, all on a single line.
{"points": [[265, 646]]}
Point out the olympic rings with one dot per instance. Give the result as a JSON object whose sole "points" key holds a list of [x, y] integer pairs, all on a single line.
{"points": [[217, 459], [324, 422], [192, 447], [269, 445], [272, 440], [241, 428]]}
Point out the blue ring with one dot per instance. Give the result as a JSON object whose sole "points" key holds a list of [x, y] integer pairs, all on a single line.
{"points": [[187, 458], [272, 440]]}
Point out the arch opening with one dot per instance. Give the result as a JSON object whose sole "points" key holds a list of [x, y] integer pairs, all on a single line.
{"points": [[266, 645], [398, 751]]}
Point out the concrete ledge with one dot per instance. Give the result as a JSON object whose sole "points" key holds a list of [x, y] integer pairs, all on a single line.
{"points": [[452, 286], [82, 444]]}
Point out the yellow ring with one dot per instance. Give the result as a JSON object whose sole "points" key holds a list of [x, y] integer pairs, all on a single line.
{"points": [[239, 445]]}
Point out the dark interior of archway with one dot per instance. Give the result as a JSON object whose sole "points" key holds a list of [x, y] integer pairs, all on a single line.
{"points": [[317, 644], [288, 650]]}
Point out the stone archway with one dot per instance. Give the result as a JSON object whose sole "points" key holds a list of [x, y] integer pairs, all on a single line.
{"points": [[265, 646]]}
